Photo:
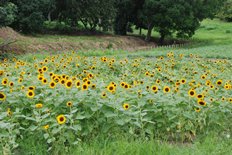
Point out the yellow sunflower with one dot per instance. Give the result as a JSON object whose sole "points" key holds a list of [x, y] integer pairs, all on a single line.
{"points": [[166, 89], [39, 105], [69, 104], [154, 88], [30, 94], [126, 106], [192, 93], [61, 119], [2, 96], [52, 84], [68, 84]]}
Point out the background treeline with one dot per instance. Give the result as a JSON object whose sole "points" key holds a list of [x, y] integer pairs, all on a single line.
{"points": [[167, 17]]}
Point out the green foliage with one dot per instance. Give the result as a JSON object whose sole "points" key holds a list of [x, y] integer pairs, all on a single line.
{"points": [[30, 16], [180, 17], [226, 11], [7, 13]]}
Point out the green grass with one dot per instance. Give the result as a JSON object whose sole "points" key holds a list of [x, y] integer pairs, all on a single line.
{"points": [[214, 32], [207, 145]]}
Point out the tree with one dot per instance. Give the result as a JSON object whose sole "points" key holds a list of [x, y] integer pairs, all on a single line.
{"points": [[127, 12], [179, 16], [30, 17], [7, 13], [226, 11]]}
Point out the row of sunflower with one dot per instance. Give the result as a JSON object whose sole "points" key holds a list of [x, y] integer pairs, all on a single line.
{"points": [[84, 96]]}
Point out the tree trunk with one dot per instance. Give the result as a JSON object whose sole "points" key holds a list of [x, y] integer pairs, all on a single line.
{"points": [[161, 40], [148, 37], [49, 16], [140, 31]]}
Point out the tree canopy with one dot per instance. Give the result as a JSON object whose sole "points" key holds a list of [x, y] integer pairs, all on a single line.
{"points": [[179, 17]]}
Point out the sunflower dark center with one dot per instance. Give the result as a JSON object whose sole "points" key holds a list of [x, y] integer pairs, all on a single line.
{"points": [[30, 94], [1, 95], [191, 93], [201, 103], [61, 119], [69, 84], [84, 86]]}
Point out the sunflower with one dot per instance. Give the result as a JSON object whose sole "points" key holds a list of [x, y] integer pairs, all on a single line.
{"points": [[4, 81], [197, 109], [166, 89], [84, 86], [126, 86], [219, 82], [9, 112], [45, 127], [44, 68], [68, 84], [31, 88], [93, 86], [201, 102], [11, 84], [62, 81], [40, 77], [200, 96], [158, 81], [154, 88], [203, 77], [126, 106], [61, 119], [111, 88], [192, 93], [183, 81], [1, 72], [2, 96], [78, 83], [103, 95], [44, 81], [39, 105], [227, 87], [230, 100], [20, 80], [30, 94], [88, 82], [52, 84], [69, 104]]}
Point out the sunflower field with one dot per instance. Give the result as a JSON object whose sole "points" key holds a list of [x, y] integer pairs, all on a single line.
{"points": [[67, 98]]}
